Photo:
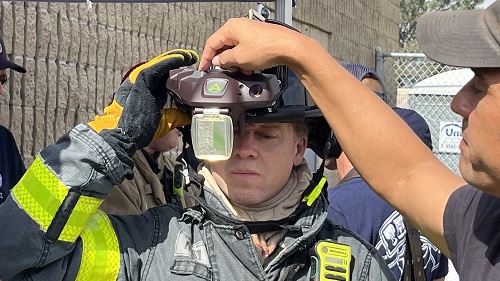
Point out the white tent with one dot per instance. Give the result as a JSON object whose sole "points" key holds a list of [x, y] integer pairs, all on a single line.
{"points": [[446, 83]]}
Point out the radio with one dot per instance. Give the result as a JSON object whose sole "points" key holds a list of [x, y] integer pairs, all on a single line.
{"points": [[330, 260]]}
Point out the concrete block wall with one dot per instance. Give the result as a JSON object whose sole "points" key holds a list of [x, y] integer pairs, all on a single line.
{"points": [[75, 56]]}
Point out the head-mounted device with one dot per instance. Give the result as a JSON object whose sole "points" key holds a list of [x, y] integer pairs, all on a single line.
{"points": [[219, 100]]}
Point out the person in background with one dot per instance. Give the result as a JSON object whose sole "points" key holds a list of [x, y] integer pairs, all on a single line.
{"points": [[151, 184], [355, 206], [11, 164]]}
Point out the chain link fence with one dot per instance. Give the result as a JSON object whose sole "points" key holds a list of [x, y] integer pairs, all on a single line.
{"points": [[415, 82]]}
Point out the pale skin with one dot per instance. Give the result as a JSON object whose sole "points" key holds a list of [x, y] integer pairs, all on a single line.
{"points": [[342, 163], [164, 144], [261, 162], [419, 185]]}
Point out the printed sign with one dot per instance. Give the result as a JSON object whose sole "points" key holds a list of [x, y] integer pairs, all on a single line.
{"points": [[450, 135]]}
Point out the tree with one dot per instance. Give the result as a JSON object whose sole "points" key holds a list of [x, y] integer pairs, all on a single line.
{"points": [[411, 10]]}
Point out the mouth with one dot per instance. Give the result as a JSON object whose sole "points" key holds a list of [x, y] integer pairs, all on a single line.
{"points": [[463, 143], [244, 173], [465, 123]]}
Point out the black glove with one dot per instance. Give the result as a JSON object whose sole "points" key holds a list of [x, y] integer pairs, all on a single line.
{"points": [[138, 104]]}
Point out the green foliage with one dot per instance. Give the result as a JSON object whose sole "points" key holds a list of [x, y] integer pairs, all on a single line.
{"points": [[411, 10]]}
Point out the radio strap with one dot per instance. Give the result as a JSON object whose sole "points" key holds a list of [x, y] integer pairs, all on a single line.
{"points": [[414, 262]]}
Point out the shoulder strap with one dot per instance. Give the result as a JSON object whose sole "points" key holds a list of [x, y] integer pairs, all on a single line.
{"points": [[414, 262]]}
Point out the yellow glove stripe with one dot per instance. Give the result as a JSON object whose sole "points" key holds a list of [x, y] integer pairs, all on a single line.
{"points": [[40, 194], [114, 109], [311, 197], [101, 252], [110, 118], [170, 119], [157, 59], [167, 55]]}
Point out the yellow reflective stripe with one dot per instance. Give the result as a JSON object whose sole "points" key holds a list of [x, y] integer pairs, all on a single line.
{"points": [[40, 194], [101, 253], [311, 197], [84, 208], [33, 193]]}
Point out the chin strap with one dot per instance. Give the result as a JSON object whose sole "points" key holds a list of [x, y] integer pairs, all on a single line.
{"points": [[316, 186]]}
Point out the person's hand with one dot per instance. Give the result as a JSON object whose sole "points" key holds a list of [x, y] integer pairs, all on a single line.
{"points": [[170, 119], [246, 45], [135, 113]]}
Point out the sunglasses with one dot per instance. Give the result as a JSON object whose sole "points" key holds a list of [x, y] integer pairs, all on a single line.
{"points": [[3, 79]]}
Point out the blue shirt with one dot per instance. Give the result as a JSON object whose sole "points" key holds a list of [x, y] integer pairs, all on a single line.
{"points": [[355, 206], [11, 164]]}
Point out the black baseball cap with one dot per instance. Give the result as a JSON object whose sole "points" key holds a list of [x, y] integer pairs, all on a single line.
{"points": [[5, 62]]}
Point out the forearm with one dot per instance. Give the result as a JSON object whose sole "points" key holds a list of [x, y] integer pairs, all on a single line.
{"points": [[51, 205], [59, 195], [384, 150]]}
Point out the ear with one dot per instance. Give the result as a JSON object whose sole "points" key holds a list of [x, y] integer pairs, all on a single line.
{"points": [[300, 149]]}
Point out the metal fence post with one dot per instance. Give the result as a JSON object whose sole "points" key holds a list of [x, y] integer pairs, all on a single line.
{"points": [[379, 63]]}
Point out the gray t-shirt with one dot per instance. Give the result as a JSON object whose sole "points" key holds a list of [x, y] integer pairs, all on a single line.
{"points": [[471, 230]]}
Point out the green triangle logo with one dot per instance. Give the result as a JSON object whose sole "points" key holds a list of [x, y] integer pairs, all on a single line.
{"points": [[215, 88]]}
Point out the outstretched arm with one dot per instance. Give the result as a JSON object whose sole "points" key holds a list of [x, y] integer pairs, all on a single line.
{"points": [[46, 213], [49, 226], [381, 146]]}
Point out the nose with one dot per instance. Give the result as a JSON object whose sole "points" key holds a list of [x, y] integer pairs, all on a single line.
{"points": [[2, 89], [464, 101], [244, 146]]}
